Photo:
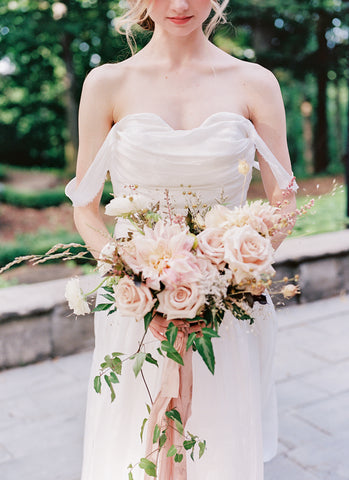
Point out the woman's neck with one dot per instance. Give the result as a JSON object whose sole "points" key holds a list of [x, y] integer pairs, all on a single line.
{"points": [[177, 51]]}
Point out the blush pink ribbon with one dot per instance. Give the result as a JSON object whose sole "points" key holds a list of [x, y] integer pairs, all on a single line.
{"points": [[175, 392]]}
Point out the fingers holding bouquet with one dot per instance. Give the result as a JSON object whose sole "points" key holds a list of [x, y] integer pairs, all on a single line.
{"points": [[159, 325]]}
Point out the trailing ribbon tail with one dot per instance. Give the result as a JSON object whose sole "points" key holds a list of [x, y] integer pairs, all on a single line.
{"points": [[175, 392]]}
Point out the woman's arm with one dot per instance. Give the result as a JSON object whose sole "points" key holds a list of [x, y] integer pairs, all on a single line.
{"points": [[267, 113], [95, 121]]}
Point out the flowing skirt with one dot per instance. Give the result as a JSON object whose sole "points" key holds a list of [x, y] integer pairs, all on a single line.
{"points": [[234, 410]]}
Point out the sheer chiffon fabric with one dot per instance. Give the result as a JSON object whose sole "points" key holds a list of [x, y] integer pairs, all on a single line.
{"points": [[234, 410]]}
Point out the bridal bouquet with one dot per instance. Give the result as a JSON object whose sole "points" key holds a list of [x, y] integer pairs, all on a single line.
{"points": [[185, 272], [189, 269]]}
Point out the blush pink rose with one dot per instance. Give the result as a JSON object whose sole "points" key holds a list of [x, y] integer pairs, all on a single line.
{"points": [[211, 245], [181, 301], [248, 254], [131, 300]]}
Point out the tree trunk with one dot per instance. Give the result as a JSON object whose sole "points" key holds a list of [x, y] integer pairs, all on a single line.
{"points": [[71, 104], [347, 163], [321, 133]]}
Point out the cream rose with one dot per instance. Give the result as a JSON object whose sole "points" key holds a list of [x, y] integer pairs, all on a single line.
{"points": [[120, 206], [131, 300], [210, 244], [248, 254], [219, 217], [182, 301], [76, 298]]}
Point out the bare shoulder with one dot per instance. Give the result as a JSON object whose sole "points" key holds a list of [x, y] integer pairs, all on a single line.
{"points": [[104, 78], [261, 89]]}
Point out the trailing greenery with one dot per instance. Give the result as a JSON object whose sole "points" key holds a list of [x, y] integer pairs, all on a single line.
{"points": [[42, 198]]}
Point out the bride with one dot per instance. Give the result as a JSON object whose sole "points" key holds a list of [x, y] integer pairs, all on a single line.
{"points": [[181, 113]]}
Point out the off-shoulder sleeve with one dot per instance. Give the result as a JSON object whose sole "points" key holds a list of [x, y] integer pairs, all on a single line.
{"points": [[283, 178], [93, 180]]}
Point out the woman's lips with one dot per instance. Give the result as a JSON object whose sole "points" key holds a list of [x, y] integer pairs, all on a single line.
{"points": [[179, 20]]}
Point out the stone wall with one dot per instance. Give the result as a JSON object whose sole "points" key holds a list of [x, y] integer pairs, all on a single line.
{"points": [[35, 322]]}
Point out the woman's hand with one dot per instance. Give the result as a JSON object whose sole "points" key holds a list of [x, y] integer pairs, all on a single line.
{"points": [[159, 324]]}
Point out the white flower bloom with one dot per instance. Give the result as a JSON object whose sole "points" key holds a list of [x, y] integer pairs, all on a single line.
{"points": [[76, 298], [121, 206], [107, 253]]}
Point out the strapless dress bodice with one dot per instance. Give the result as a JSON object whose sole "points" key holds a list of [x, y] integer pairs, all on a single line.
{"points": [[143, 150]]}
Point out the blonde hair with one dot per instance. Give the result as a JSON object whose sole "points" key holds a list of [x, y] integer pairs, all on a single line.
{"points": [[137, 14]]}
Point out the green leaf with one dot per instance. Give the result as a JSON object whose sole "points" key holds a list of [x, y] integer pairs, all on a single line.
{"points": [[162, 440], [150, 359], [179, 426], [116, 365], [160, 351], [148, 466], [102, 306], [190, 340], [171, 352], [112, 392], [148, 407], [205, 349], [142, 428], [130, 476], [178, 457], [113, 378], [138, 363], [97, 384], [171, 451], [147, 319], [108, 297], [156, 433], [171, 333], [202, 448], [113, 310], [109, 290], [209, 332], [174, 415], [188, 444], [117, 354]]}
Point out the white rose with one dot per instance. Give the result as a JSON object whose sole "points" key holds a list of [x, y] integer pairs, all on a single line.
{"points": [[76, 298], [210, 244], [181, 301], [248, 254], [121, 206], [218, 217], [132, 301]]}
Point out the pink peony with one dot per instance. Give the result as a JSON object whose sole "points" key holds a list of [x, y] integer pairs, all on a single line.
{"points": [[131, 300], [163, 254], [181, 301], [248, 254]]}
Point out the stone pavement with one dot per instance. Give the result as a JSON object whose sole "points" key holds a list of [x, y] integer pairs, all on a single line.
{"points": [[42, 405]]}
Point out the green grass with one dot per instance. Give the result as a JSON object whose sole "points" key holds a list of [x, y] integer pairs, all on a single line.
{"points": [[327, 214]]}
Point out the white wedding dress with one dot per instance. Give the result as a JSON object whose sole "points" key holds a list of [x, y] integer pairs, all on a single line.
{"points": [[234, 410]]}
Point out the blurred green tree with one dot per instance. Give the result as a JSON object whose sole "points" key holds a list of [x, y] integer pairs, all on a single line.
{"points": [[46, 50], [304, 38]]}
